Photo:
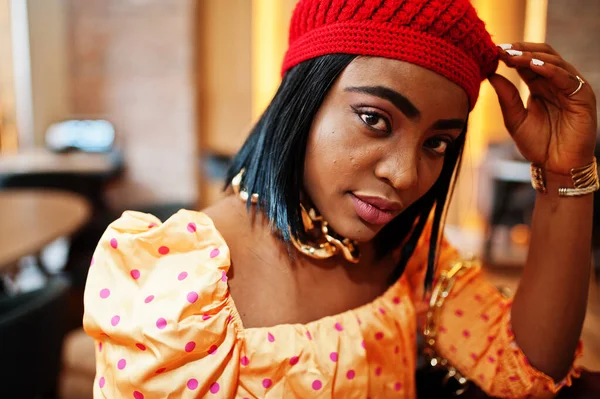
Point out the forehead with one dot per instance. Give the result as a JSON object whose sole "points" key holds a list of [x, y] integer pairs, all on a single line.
{"points": [[433, 94]]}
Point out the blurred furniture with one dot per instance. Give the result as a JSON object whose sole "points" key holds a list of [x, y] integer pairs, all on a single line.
{"points": [[41, 160], [31, 219], [78, 366], [83, 135], [32, 327]]}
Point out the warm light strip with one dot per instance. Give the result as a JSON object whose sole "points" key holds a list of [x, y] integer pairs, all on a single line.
{"points": [[536, 17], [268, 44]]}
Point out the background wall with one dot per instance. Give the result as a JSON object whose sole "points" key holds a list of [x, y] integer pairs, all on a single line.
{"points": [[573, 29], [132, 62]]}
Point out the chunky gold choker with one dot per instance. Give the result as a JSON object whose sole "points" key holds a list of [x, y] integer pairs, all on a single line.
{"points": [[326, 243]]}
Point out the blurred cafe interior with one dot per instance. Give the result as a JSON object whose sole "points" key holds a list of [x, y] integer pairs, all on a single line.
{"points": [[111, 105]]}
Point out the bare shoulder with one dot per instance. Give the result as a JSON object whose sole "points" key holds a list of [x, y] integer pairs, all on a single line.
{"points": [[230, 218]]}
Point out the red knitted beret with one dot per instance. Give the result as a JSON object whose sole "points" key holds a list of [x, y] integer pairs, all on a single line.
{"points": [[445, 36]]}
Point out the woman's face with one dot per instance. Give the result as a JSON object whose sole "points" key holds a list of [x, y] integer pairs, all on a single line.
{"points": [[377, 143]]}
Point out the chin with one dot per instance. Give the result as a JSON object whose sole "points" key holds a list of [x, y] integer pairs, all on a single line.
{"points": [[355, 229]]}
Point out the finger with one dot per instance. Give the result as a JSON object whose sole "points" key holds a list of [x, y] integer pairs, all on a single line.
{"points": [[560, 78], [531, 47], [522, 59], [513, 110]]}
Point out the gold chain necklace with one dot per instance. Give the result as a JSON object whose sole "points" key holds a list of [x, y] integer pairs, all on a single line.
{"points": [[326, 245]]}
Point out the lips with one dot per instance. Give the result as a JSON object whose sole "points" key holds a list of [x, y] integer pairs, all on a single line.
{"points": [[375, 210]]}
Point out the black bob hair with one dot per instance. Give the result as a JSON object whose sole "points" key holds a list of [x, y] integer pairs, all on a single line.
{"points": [[273, 160]]}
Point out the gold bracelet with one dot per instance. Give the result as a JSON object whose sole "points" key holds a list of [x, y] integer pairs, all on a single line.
{"points": [[440, 292], [585, 180]]}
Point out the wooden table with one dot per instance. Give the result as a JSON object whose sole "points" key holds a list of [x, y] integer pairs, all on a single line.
{"points": [[32, 219], [41, 160]]}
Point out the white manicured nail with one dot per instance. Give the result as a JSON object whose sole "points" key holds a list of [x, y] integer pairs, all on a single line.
{"points": [[537, 62], [514, 53], [505, 46]]}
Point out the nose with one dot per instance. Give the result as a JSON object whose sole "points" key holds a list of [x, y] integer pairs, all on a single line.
{"points": [[399, 169]]}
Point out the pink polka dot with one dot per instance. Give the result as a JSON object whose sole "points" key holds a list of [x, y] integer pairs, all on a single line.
{"points": [[396, 300], [152, 225], [192, 297], [491, 338], [115, 320], [382, 310], [138, 395], [192, 384], [485, 317], [224, 277], [161, 370], [182, 276], [270, 337], [212, 350], [350, 374], [513, 378], [100, 347], [481, 377], [191, 227], [358, 321], [101, 382], [149, 299], [443, 329], [135, 273], [363, 344], [500, 352], [294, 360], [309, 335], [317, 385], [491, 359], [245, 361], [114, 243], [397, 386], [339, 327], [205, 317], [333, 356], [378, 335], [141, 347], [378, 371], [104, 293], [478, 298], [459, 312], [215, 387], [396, 350], [161, 323], [190, 346], [164, 250], [215, 252], [266, 383], [474, 356], [466, 333], [121, 364]]}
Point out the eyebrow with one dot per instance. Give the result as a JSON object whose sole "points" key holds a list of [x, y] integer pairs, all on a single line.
{"points": [[398, 100], [449, 124], [405, 106]]}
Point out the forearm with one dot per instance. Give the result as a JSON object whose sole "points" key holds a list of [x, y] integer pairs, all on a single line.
{"points": [[550, 303]]}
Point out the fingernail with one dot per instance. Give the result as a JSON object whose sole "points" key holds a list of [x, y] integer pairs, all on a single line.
{"points": [[505, 46], [514, 53], [537, 62]]}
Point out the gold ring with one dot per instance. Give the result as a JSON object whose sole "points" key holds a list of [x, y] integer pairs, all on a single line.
{"points": [[581, 82]]}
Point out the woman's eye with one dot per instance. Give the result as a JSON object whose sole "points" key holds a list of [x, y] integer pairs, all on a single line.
{"points": [[375, 121], [438, 145]]}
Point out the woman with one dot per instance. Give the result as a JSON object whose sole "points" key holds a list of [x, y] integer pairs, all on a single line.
{"points": [[326, 243]]}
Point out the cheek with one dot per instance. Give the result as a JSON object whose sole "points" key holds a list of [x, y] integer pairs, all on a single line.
{"points": [[429, 175]]}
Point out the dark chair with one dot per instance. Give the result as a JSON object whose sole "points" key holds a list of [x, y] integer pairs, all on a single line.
{"points": [[32, 328]]}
